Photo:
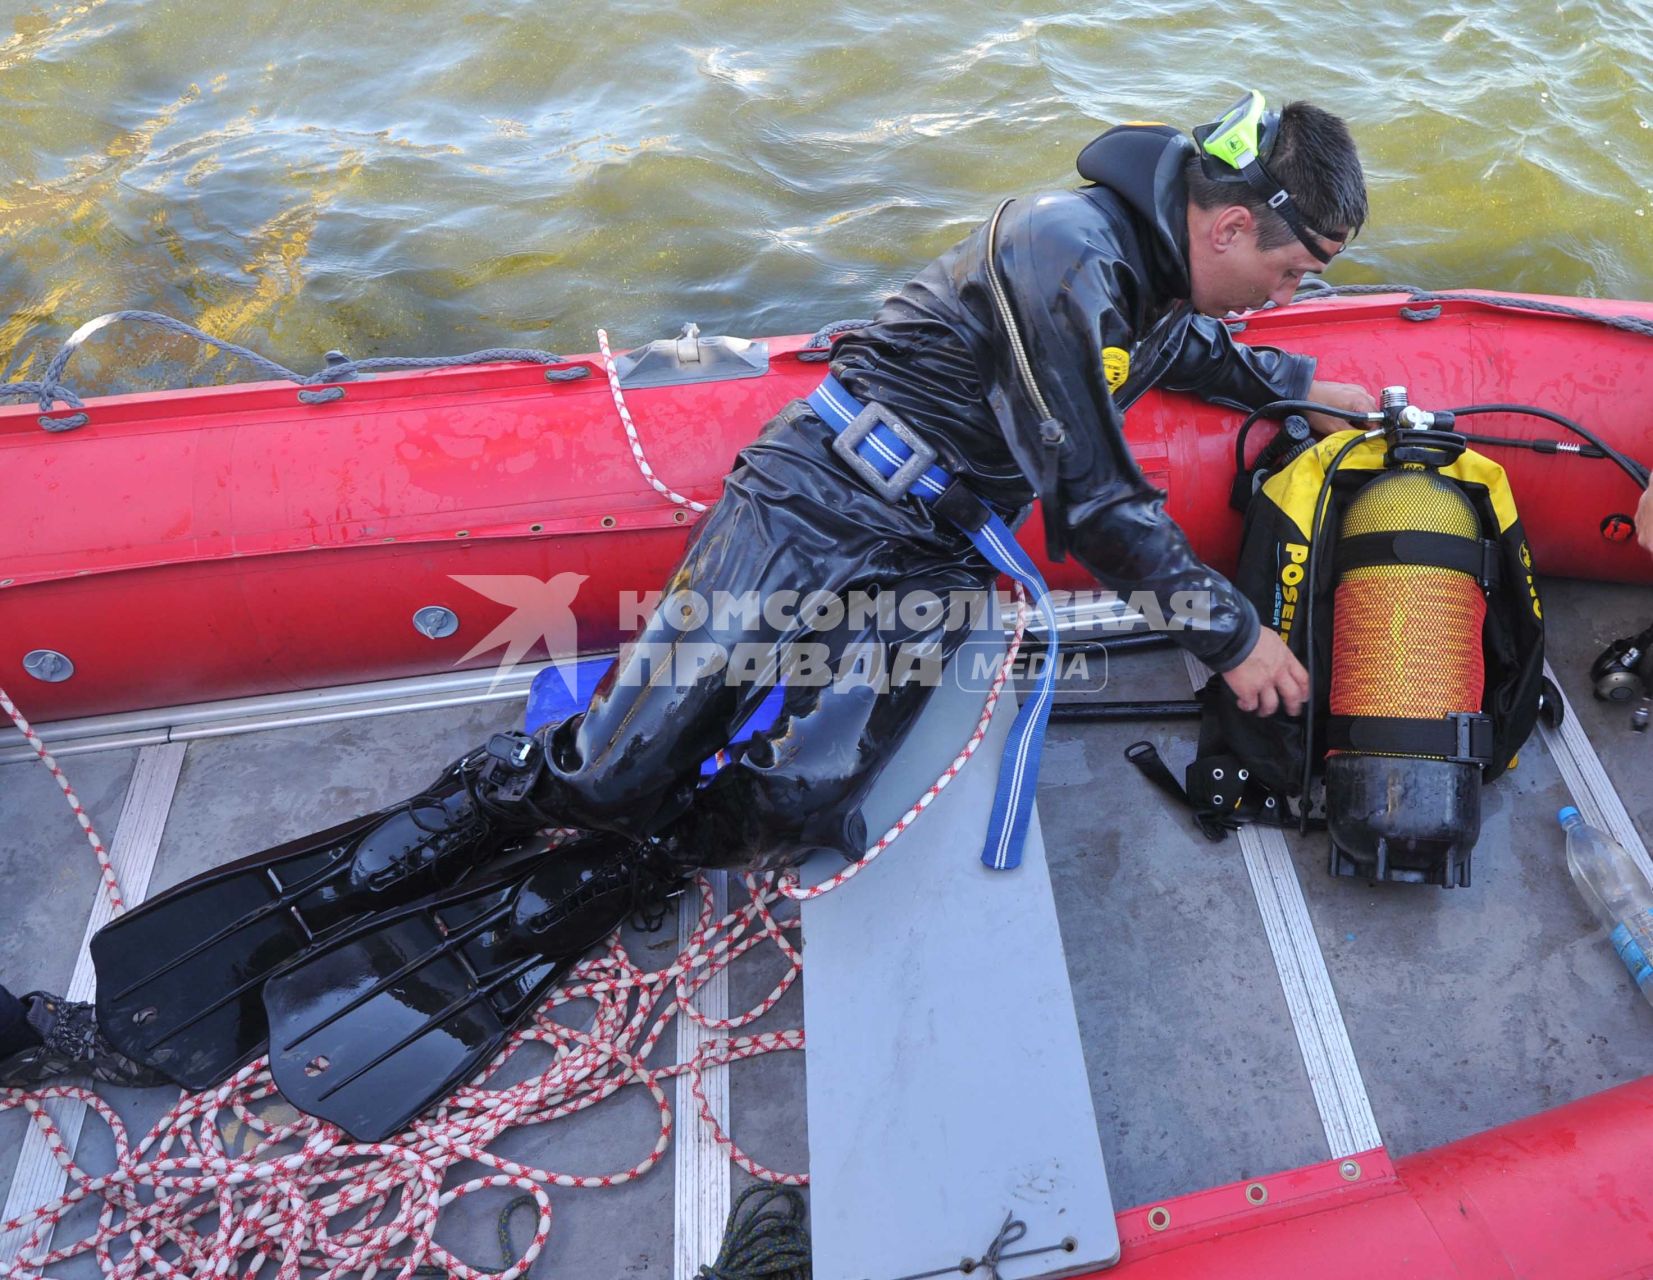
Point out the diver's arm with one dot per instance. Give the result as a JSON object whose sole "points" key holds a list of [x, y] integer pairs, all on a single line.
{"points": [[1644, 520], [1214, 367], [1119, 531]]}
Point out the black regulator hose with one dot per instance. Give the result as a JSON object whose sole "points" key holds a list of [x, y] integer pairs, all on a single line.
{"points": [[1283, 407], [1635, 470], [1598, 448], [1534, 446]]}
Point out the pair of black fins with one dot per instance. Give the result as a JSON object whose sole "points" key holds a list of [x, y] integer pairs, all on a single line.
{"points": [[383, 961]]}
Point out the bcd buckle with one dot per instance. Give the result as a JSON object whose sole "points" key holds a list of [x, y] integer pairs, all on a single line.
{"points": [[847, 445]]}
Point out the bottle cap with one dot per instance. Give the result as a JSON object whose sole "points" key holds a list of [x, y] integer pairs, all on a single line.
{"points": [[1566, 813]]}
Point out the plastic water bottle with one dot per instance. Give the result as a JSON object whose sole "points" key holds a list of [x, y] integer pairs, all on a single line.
{"points": [[1617, 891]]}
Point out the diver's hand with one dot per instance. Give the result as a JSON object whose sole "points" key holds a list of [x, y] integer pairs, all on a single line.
{"points": [[1644, 521], [1270, 676], [1340, 395]]}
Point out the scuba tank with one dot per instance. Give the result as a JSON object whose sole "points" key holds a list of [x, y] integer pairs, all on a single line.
{"points": [[1406, 648], [1392, 562]]}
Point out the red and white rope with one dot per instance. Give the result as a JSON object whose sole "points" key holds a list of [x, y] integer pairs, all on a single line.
{"points": [[659, 485], [185, 1202], [111, 886]]}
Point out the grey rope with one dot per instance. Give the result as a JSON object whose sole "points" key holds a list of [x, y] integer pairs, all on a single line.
{"points": [[49, 389], [1012, 1232], [819, 347], [1627, 324], [507, 1250], [769, 1243]]}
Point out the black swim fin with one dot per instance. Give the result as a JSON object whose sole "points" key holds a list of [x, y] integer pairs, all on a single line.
{"points": [[374, 1027], [180, 977]]}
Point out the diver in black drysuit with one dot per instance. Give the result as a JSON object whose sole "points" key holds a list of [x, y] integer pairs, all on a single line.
{"points": [[1104, 266], [1103, 283]]}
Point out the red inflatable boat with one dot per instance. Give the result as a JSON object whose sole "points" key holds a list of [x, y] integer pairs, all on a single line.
{"points": [[196, 545], [192, 546]]}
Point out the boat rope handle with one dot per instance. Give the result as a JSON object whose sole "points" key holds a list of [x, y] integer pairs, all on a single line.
{"points": [[49, 389], [637, 456], [1511, 302]]}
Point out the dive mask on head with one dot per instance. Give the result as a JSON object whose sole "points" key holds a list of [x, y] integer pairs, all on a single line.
{"points": [[1233, 148]]}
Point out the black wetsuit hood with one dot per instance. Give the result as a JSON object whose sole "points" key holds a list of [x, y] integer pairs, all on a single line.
{"points": [[1143, 165]]}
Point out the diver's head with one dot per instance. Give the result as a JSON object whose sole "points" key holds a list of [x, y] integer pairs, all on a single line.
{"points": [[1271, 197]]}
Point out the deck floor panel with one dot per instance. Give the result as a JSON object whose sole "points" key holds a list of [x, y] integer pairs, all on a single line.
{"points": [[1194, 1067], [48, 868]]}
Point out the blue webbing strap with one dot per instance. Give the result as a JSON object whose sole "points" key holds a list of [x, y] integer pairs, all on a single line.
{"points": [[1019, 770]]}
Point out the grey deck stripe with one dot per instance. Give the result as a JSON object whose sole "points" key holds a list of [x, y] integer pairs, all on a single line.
{"points": [[1323, 1039], [1593, 791], [39, 1179], [702, 1167]]}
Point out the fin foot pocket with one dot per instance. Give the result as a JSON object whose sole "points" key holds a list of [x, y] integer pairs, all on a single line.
{"points": [[379, 1024]]}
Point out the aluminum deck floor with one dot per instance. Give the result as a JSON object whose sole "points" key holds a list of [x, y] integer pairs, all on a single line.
{"points": [[1466, 1009]]}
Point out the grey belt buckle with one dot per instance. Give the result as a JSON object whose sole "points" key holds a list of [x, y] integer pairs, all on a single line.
{"points": [[846, 445]]}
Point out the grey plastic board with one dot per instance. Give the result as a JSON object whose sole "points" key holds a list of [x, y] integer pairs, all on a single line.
{"points": [[946, 1083]]}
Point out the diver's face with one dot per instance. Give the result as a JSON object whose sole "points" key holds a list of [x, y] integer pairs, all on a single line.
{"points": [[1231, 272]]}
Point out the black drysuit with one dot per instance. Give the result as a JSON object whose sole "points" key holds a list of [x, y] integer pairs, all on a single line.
{"points": [[1102, 267]]}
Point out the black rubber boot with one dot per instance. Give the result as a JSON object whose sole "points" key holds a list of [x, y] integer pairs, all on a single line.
{"points": [[579, 894], [69, 1044]]}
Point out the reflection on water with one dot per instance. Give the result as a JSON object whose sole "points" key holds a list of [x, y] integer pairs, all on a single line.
{"points": [[455, 174]]}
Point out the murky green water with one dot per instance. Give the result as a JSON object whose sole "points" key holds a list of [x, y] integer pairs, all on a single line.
{"points": [[430, 176]]}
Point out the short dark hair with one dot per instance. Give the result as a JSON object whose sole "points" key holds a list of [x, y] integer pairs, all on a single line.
{"points": [[1314, 158]]}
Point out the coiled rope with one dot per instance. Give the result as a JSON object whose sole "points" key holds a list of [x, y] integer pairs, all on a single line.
{"points": [[770, 1243]]}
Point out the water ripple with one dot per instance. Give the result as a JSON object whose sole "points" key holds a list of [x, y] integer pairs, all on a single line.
{"points": [[458, 172]]}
